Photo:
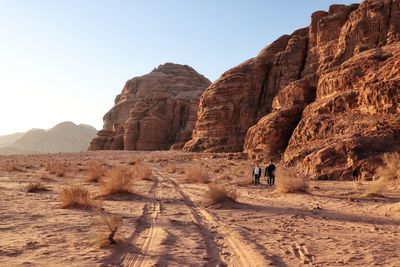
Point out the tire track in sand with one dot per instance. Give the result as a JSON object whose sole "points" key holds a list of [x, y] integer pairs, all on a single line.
{"points": [[213, 252], [151, 211], [153, 235], [240, 253], [123, 256]]}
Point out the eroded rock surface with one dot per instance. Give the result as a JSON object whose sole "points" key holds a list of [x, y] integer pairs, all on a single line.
{"points": [[325, 97], [154, 111]]}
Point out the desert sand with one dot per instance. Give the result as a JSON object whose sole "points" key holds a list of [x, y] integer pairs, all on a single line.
{"points": [[168, 221]]}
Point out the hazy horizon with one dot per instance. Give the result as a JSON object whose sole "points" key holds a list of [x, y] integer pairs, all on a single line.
{"points": [[67, 60]]}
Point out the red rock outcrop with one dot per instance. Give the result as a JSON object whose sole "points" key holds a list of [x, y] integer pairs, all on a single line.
{"points": [[326, 97], [243, 94], [154, 111], [355, 118]]}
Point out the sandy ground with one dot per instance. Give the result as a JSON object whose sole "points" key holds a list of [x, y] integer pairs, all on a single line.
{"points": [[167, 222]]}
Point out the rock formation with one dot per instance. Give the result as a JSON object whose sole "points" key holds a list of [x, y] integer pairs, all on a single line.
{"points": [[325, 97], [64, 137], [154, 111]]}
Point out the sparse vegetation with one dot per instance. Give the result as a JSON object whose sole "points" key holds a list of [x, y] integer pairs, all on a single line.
{"points": [[247, 180], [116, 180], [141, 172], [77, 197], [171, 167], [95, 170], [197, 174], [106, 227], [34, 187], [57, 168], [388, 174], [290, 181], [225, 177], [219, 194], [11, 167]]}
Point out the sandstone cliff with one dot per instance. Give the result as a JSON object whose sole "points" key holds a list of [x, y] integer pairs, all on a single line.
{"points": [[325, 97], [155, 111]]}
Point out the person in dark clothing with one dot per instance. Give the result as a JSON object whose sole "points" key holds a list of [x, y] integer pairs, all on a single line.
{"points": [[270, 173], [357, 173], [256, 174]]}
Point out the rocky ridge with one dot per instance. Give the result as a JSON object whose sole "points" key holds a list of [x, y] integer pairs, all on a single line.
{"points": [[155, 111], [63, 137], [325, 97]]}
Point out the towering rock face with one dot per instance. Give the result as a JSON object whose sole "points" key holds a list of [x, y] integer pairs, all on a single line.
{"points": [[325, 97], [154, 111], [243, 94]]}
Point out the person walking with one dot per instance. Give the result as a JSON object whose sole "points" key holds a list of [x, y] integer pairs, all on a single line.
{"points": [[270, 173], [256, 174], [357, 173]]}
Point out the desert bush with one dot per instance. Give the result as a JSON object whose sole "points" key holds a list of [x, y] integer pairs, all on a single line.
{"points": [[95, 170], [247, 180], [77, 197], [225, 177], [116, 180], [388, 174], [106, 227], [57, 168], [219, 194], [170, 167], [141, 172], [11, 167], [34, 187], [289, 180], [197, 174]]}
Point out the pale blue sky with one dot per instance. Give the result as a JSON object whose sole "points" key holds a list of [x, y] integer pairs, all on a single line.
{"points": [[67, 60]]}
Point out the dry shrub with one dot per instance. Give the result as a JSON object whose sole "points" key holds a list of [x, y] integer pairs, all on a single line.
{"points": [[57, 168], [106, 227], [171, 167], [219, 194], [116, 180], [12, 167], [95, 170], [34, 187], [197, 174], [289, 180], [248, 180], [77, 197], [225, 177], [141, 172], [388, 174]]}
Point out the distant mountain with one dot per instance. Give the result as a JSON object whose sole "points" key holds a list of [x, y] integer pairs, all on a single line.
{"points": [[64, 137], [7, 140]]}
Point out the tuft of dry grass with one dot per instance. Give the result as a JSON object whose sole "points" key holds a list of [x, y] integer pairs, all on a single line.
{"points": [[171, 167], [141, 172], [57, 168], [388, 174], [12, 167], [77, 197], [197, 174], [219, 194], [225, 177], [116, 180], [248, 180], [34, 187], [95, 170], [106, 227], [290, 181]]}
